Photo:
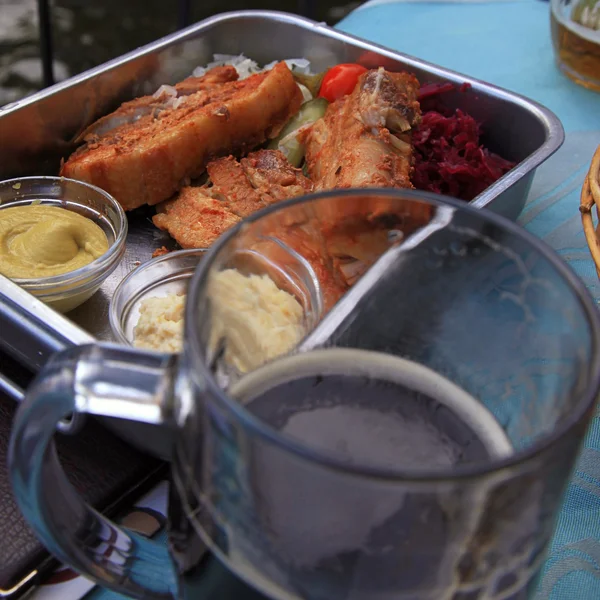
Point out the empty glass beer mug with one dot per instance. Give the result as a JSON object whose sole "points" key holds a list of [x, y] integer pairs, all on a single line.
{"points": [[381, 396]]}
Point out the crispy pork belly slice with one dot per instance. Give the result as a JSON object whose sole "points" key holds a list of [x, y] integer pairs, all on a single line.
{"points": [[212, 78], [364, 138], [274, 177], [146, 161], [149, 107], [230, 184], [194, 219]]}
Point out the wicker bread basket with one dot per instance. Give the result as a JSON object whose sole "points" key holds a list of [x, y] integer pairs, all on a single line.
{"points": [[590, 195]]}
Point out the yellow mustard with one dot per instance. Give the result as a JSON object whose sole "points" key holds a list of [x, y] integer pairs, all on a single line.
{"points": [[39, 241]]}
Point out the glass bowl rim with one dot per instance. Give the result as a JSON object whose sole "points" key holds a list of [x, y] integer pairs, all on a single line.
{"points": [[98, 268], [115, 318]]}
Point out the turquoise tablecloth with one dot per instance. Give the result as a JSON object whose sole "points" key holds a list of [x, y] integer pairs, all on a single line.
{"points": [[507, 43]]}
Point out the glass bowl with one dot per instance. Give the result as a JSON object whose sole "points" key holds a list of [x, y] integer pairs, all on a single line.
{"points": [[171, 274], [67, 291], [159, 277]]}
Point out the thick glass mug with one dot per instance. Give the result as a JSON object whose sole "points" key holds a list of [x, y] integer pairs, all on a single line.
{"points": [[463, 310]]}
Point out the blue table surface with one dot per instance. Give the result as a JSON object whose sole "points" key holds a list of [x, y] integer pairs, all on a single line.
{"points": [[507, 43]]}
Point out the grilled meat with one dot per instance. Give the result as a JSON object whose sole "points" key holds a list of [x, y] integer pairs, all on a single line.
{"points": [[364, 138], [260, 179], [231, 195], [230, 184], [271, 174], [357, 230], [146, 161], [362, 141], [194, 219]]}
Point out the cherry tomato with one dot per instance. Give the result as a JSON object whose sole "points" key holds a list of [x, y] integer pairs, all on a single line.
{"points": [[340, 81]]}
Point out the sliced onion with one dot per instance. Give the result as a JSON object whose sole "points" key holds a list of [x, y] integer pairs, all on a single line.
{"points": [[306, 95], [353, 270], [399, 144], [179, 101], [246, 66], [294, 134], [396, 122], [165, 90]]}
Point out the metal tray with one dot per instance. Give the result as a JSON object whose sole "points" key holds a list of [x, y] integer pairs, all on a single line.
{"points": [[36, 132]]}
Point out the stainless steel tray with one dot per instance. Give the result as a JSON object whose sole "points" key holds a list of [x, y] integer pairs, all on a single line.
{"points": [[36, 132]]}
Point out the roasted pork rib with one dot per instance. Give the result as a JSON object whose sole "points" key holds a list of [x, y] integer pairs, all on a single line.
{"points": [[364, 138]]}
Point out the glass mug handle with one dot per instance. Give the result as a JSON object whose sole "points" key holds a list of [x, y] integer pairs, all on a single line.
{"points": [[99, 380]]}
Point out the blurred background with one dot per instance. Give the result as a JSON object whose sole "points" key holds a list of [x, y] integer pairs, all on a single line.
{"points": [[75, 35]]}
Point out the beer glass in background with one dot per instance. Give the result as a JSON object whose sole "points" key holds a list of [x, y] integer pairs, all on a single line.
{"points": [[416, 446], [575, 26]]}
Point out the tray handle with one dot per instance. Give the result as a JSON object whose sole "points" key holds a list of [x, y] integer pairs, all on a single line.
{"points": [[11, 389]]}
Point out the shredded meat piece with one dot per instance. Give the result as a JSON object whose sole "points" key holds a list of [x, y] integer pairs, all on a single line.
{"points": [[194, 219], [357, 230], [263, 177], [271, 174], [160, 252], [230, 184], [190, 217], [306, 239]]}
